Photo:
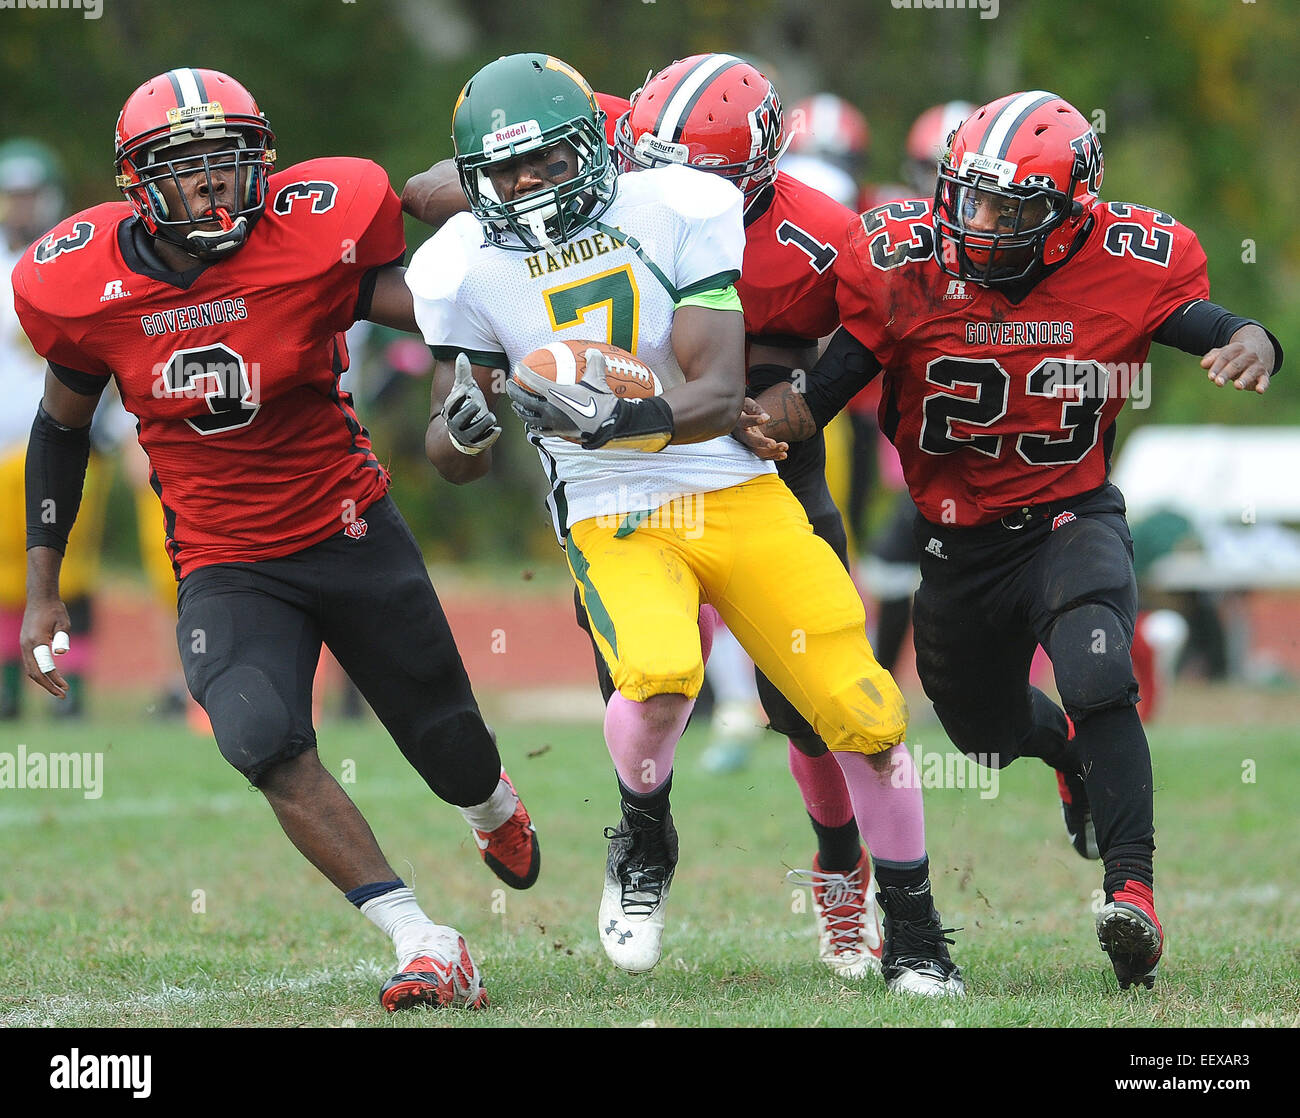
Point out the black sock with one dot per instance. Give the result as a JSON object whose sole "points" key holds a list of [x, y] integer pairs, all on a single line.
{"points": [[1117, 774], [654, 805], [891, 875], [838, 848]]}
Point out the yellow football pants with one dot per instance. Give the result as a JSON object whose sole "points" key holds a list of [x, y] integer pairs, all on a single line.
{"points": [[749, 551], [81, 566]]}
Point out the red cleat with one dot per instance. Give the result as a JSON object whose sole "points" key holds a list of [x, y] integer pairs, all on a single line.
{"points": [[436, 981], [1130, 933], [512, 851]]}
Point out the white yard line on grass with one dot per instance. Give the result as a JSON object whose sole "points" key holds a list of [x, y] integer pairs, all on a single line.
{"points": [[58, 1009]]}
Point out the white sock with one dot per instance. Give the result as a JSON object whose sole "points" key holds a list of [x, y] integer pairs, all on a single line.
{"points": [[493, 811], [399, 916]]}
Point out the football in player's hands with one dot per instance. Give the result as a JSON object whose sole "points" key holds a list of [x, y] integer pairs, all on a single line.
{"points": [[566, 363], [543, 375]]}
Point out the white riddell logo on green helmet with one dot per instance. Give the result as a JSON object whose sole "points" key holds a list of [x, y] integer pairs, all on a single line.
{"points": [[528, 130]]}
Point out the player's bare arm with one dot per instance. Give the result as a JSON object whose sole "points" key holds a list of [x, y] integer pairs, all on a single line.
{"points": [[461, 454], [710, 348], [434, 195], [764, 361], [66, 416], [1246, 361], [390, 301], [803, 405]]}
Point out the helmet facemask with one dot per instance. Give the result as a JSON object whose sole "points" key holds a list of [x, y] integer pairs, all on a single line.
{"points": [[553, 213], [1024, 215], [142, 166]]}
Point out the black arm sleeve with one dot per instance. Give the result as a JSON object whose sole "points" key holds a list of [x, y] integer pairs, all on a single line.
{"points": [[844, 370], [1200, 326], [56, 473], [366, 289]]}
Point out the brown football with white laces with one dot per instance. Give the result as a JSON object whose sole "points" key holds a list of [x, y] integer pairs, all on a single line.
{"points": [[566, 362]]}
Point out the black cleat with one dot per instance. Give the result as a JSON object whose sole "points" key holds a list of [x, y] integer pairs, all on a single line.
{"points": [[915, 958]]}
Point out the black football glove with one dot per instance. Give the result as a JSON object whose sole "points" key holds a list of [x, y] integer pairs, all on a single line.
{"points": [[471, 426], [588, 412]]}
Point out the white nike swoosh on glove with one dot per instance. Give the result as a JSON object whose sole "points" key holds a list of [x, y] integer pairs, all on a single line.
{"points": [[588, 409]]}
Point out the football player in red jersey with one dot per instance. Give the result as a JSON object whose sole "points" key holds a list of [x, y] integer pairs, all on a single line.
{"points": [[1010, 318], [217, 297]]}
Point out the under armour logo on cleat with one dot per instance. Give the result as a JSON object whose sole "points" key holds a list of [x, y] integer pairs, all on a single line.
{"points": [[614, 930]]}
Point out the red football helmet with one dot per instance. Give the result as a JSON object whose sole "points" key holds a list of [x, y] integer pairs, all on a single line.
{"points": [[1015, 189], [828, 127], [176, 109], [711, 111], [928, 140]]}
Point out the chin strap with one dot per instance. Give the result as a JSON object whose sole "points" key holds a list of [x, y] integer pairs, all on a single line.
{"points": [[537, 226]]}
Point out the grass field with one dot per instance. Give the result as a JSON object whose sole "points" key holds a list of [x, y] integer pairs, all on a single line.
{"points": [[181, 903]]}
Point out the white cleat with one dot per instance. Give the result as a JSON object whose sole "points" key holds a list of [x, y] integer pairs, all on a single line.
{"points": [[638, 874], [850, 941]]}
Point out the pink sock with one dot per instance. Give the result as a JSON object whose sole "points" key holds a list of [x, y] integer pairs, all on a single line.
{"points": [[709, 620], [642, 737], [887, 804], [77, 659], [11, 623], [821, 783]]}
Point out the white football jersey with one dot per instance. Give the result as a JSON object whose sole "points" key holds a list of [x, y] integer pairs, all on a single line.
{"points": [[669, 233], [22, 369]]}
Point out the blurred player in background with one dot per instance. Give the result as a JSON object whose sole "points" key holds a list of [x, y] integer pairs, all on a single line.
{"points": [[31, 202], [216, 297], [558, 236], [977, 307]]}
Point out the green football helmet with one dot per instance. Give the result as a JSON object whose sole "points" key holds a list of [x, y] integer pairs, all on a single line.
{"points": [[28, 167], [518, 104]]}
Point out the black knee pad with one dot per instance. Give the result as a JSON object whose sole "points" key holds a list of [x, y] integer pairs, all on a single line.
{"points": [[781, 713], [1090, 647], [812, 746], [456, 754], [253, 727]]}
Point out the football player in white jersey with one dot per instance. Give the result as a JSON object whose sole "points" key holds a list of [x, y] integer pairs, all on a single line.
{"points": [[658, 509]]}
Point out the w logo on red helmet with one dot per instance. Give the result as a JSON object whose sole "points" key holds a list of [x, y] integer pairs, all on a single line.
{"points": [[766, 127], [1087, 161]]}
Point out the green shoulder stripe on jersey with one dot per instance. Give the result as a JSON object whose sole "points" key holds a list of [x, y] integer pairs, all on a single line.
{"points": [[635, 246], [715, 299], [590, 598], [476, 356]]}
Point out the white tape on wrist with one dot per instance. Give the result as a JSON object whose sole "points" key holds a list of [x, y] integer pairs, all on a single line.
{"points": [[469, 450]]}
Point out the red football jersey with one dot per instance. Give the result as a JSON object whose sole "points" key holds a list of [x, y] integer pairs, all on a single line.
{"points": [[787, 282], [232, 369], [992, 404], [614, 108]]}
